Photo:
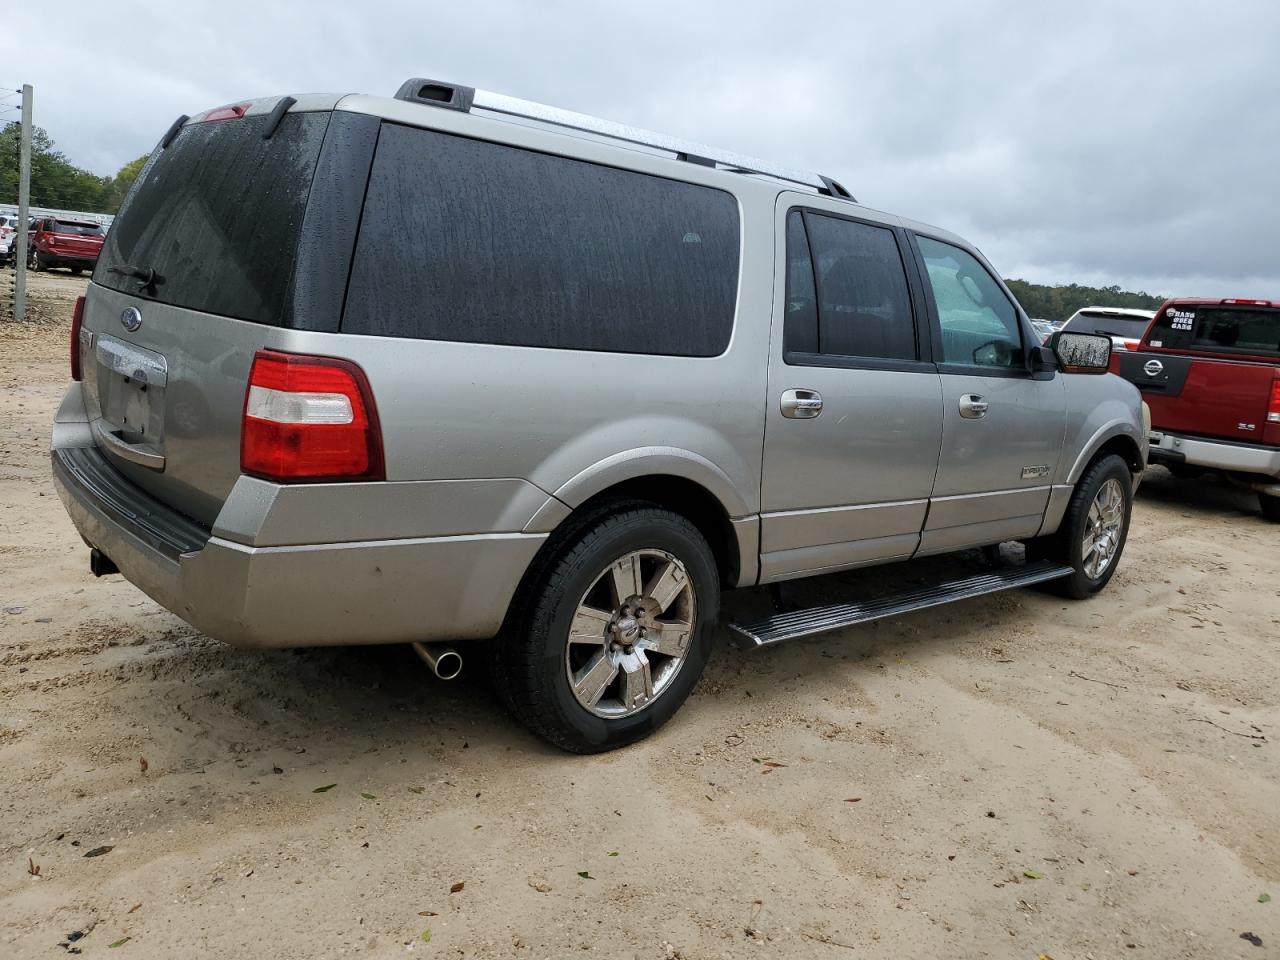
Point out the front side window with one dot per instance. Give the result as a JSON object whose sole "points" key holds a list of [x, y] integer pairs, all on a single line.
{"points": [[478, 242], [863, 304], [979, 324]]}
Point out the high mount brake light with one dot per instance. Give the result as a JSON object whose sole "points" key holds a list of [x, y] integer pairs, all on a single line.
{"points": [[1247, 303], [309, 419], [77, 321], [233, 112]]}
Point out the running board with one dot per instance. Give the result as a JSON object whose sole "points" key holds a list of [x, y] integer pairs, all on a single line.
{"points": [[803, 623]]}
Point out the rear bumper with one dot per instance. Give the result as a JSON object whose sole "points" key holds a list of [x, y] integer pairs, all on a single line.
{"points": [[373, 591], [1172, 448]]}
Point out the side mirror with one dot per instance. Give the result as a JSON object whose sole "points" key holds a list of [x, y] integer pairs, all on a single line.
{"points": [[1081, 352]]}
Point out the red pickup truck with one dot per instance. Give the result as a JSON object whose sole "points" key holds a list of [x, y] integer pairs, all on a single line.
{"points": [[59, 242], [1210, 372]]}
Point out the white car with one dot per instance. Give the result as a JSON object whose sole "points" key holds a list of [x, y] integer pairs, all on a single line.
{"points": [[1124, 325], [8, 236]]}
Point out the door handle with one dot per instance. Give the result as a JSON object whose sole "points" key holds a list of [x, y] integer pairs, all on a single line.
{"points": [[801, 404], [973, 407]]}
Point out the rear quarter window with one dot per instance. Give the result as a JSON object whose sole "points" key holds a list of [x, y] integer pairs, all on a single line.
{"points": [[465, 240]]}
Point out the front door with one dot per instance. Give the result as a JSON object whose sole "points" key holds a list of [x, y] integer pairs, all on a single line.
{"points": [[1003, 428], [854, 416]]}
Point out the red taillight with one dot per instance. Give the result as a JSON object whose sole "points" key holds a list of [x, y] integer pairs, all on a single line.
{"points": [[309, 419], [233, 112], [1273, 406], [77, 321]]}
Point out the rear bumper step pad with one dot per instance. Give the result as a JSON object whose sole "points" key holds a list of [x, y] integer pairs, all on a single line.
{"points": [[804, 623]]}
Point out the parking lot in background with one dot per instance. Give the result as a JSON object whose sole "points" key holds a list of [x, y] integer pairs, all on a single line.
{"points": [[1007, 776]]}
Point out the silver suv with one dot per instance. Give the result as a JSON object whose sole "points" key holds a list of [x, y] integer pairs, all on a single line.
{"points": [[452, 366]]}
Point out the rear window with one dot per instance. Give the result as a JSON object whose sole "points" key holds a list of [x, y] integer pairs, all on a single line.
{"points": [[216, 215], [1131, 328], [79, 229], [1219, 330], [470, 241]]}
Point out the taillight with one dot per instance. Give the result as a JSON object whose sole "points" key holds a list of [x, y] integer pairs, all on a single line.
{"points": [[309, 419], [77, 321], [1273, 406]]}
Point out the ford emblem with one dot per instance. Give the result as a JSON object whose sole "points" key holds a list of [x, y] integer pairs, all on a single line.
{"points": [[130, 319], [1152, 368]]}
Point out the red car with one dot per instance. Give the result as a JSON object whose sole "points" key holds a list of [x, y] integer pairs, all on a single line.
{"points": [[55, 242], [1210, 372]]}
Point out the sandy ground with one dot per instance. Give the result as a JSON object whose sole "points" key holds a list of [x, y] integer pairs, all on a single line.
{"points": [[1009, 777]]}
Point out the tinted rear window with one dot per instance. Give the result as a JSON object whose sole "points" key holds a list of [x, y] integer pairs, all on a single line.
{"points": [[80, 229], [1113, 326], [216, 215], [1219, 330], [470, 241]]}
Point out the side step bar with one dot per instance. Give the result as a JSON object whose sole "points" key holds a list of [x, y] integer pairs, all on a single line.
{"points": [[803, 623]]}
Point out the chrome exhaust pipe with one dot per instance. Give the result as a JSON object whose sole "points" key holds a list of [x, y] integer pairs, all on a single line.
{"points": [[444, 661]]}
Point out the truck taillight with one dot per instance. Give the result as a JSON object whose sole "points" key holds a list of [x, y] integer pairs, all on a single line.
{"points": [[77, 321], [1273, 406], [309, 419]]}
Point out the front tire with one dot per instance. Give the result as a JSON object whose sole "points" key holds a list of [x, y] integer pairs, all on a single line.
{"points": [[1093, 531], [611, 629], [35, 261]]}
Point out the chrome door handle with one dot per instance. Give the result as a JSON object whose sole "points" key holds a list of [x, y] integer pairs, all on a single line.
{"points": [[801, 404], [972, 407]]}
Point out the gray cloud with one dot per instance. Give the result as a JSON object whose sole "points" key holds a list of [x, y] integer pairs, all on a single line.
{"points": [[1091, 142]]}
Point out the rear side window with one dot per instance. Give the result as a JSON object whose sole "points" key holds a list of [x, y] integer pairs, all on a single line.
{"points": [[1218, 330], [862, 306], [470, 241], [216, 215]]}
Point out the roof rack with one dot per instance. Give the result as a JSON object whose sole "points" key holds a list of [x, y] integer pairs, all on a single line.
{"points": [[454, 96]]}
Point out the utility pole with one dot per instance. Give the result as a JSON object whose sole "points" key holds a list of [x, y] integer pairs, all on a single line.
{"points": [[24, 203]]}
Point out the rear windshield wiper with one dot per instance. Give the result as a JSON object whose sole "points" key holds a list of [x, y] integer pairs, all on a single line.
{"points": [[146, 278]]}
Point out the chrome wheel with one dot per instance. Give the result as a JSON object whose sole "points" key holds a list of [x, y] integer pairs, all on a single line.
{"points": [[1102, 529], [631, 633]]}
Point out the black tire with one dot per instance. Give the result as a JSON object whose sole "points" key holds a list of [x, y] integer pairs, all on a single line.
{"points": [[1270, 507], [528, 659], [36, 262], [76, 270], [1067, 545]]}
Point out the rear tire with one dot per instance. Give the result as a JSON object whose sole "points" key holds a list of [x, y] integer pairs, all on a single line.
{"points": [[589, 695], [76, 270], [1093, 531], [1270, 507]]}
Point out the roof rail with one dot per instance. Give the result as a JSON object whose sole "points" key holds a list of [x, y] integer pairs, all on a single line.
{"points": [[454, 96]]}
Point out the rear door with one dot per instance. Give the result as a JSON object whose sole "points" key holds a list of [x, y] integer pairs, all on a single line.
{"points": [[1003, 429], [853, 422], [193, 278]]}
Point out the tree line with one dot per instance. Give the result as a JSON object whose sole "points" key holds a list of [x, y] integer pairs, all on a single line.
{"points": [[58, 183], [1060, 302]]}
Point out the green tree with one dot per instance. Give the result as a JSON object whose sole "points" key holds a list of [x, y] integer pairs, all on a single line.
{"points": [[1060, 302], [55, 181], [120, 184]]}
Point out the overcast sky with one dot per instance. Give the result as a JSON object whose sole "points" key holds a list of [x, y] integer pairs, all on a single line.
{"points": [[1135, 143]]}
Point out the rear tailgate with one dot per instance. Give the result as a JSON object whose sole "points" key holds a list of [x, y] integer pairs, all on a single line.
{"points": [[1208, 370], [192, 280], [74, 240]]}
